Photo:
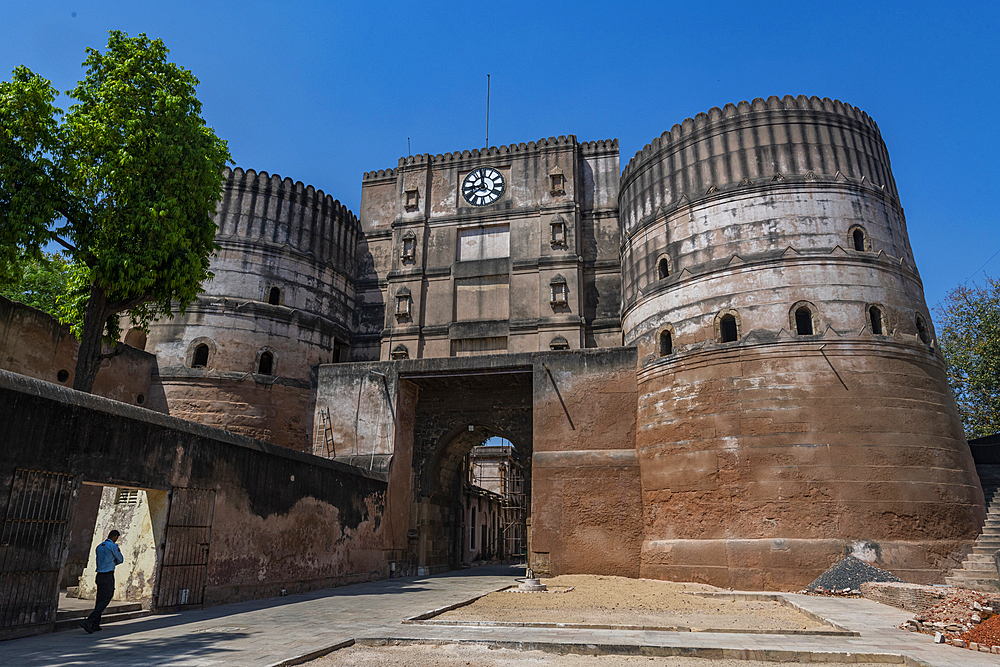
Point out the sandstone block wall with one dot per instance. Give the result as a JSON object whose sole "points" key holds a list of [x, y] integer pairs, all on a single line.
{"points": [[764, 457], [33, 343], [586, 502], [282, 519]]}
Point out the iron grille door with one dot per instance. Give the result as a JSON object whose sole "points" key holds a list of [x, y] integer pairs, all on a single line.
{"points": [[32, 542], [185, 553]]}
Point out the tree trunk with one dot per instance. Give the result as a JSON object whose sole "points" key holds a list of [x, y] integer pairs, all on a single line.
{"points": [[88, 360]]}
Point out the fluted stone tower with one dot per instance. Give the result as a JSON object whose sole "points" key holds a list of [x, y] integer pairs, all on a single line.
{"points": [[793, 404], [282, 300]]}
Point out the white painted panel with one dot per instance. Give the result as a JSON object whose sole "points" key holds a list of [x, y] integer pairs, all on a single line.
{"points": [[483, 242]]}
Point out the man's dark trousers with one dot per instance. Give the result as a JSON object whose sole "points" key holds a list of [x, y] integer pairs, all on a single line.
{"points": [[105, 591]]}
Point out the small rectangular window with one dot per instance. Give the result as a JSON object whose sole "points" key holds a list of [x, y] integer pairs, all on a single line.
{"points": [[558, 234], [412, 199], [557, 183], [559, 294], [127, 497]]}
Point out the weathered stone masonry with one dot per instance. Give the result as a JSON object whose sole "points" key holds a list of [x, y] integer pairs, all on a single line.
{"points": [[789, 397], [764, 457], [281, 520], [716, 366]]}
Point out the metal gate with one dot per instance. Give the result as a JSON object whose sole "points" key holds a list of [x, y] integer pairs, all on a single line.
{"points": [[32, 542], [185, 553]]}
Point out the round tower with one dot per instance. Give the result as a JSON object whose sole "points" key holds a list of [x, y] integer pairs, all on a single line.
{"points": [[793, 405], [281, 301]]}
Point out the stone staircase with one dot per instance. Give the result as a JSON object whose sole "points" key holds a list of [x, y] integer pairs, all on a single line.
{"points": [[979, 570]]}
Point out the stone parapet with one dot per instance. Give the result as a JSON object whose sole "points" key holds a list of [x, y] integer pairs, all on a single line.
{"points": [[609, 146], [759, 139], [263, 208]]}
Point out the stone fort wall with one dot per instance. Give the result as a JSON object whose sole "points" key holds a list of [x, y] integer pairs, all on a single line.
{"points": [[824, 417], [791, 399], [283, 295]]}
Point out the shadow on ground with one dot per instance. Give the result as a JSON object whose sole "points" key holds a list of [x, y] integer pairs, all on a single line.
{"points": [[87, 649]]}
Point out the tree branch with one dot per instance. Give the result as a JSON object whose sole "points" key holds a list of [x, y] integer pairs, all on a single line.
{"points": [[64, 244], [127, 304]]}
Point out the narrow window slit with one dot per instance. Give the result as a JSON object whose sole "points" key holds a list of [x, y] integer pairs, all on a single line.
{"points": [[803, 322], [859, 240], [200, 356], [875, 314], [728, 329], [666, 343], [266, 364]]}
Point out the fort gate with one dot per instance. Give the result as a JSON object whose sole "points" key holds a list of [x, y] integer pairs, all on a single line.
{"points": [[715, 365]]}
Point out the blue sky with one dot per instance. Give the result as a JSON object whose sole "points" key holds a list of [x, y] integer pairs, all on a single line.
{"points": [[322, 92]]}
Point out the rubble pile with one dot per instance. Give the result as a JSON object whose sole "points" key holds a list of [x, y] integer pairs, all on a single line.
{"points": [[986, 633], [845, 577], [965, 618]]}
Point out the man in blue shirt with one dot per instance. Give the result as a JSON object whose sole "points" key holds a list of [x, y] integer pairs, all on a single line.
{"points": [[108, 556]]}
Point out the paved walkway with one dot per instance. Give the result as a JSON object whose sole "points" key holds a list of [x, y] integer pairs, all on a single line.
{"points": [[271, 632]]}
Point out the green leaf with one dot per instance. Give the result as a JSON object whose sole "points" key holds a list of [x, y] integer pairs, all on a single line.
{"points": [[129, 177], [969, 326]]}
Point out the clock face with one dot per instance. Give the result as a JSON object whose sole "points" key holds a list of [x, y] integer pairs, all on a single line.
{"points": [[483, 186]]}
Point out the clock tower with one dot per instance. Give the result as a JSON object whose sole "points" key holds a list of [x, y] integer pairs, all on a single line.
{"points": [[505, 249]]}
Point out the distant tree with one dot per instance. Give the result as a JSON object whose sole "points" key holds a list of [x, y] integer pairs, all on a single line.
{"points": [[40, 283], [126, 181], [969, 332]]}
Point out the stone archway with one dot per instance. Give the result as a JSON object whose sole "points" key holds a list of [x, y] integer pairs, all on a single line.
{"points": [[492, 404]]}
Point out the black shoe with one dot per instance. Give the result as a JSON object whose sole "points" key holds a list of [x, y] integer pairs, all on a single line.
{"points": [[97, 628], [86, 626]]}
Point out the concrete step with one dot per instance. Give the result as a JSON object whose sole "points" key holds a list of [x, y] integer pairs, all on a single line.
{"points": [[980, 558], [984, 549], [979, 570], [979, 583], [979, 566], [71, 623], [113, 608], [987, 585], [967, 574]]}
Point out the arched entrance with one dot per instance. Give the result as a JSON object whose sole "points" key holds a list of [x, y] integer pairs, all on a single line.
{"points": [[458, 413]]}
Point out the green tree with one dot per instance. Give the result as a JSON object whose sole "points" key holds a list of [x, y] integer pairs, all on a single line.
{"points": [[40, 284], [969, 331], [126, 181]]}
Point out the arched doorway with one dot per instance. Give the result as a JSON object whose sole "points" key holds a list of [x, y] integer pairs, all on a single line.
{"points": [[459, 518]]}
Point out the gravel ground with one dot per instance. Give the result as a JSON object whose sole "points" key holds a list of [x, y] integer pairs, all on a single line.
{"points": [[606, 600], [480, 655], [849, 573]]}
